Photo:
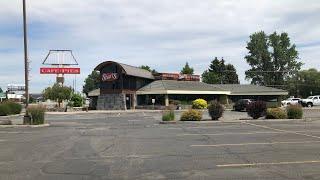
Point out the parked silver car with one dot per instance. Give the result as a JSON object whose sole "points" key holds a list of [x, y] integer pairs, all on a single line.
{"points": [[290, 101]]}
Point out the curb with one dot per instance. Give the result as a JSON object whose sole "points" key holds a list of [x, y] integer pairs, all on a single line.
{"points": [[271, 120], [243, 121], [24, 126], [11, 116], [168, 122], [104, 112]]}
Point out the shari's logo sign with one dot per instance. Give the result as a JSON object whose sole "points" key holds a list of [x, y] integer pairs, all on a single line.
{"points": [[110, 76]]}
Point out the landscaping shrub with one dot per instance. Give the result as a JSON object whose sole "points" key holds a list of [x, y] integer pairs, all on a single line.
{"points": [[215, 110], [14, 108], [9, 108], [168, 116], [276, 113], [174, 102], [199, 104], [70, 104], [294, 112], [191, 115], [37, 114], [77, 100], [256, 109], [4, 110]]}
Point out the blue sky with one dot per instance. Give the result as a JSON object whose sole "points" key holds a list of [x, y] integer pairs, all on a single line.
{"points": [[162, 34]]}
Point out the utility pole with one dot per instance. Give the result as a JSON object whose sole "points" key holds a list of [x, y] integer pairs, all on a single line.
{"points": [[26, 63]]}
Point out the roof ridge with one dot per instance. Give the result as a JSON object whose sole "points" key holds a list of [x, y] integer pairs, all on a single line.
{"points": [[134, 67]]}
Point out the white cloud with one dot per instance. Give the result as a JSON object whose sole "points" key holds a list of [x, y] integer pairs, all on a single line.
{"points": [[163, 34]]}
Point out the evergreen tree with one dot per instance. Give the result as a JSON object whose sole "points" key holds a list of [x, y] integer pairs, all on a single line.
{"points": [[145, 67], [220, 73], [210, 77], [148, 68], [230, 75], [187, 69]]}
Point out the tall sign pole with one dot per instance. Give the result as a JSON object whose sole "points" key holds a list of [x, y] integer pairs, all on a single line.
{"points": [[26, 63]]}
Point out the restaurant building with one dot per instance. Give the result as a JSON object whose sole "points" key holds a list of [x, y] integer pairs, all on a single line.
{"points": [[125, 87]]}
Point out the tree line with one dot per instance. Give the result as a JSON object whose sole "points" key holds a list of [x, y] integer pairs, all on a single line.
{"points": [[273, 60]]}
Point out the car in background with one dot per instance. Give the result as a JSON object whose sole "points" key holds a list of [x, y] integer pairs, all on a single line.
{"points": [[311, 101], [241, 104], [290, 101]]}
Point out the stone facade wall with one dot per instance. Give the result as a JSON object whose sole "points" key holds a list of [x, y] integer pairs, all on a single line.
{"points": [[111, 102]]}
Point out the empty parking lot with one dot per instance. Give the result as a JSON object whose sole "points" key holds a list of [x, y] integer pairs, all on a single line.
{"points": [[136, 146]]}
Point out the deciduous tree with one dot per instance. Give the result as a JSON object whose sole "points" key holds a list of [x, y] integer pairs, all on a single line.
{"points": [[91, 82], [305, 83], [57, 93], [273, 59]]}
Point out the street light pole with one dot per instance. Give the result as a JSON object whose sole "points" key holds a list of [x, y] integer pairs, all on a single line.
{"points": [[26, 63]]}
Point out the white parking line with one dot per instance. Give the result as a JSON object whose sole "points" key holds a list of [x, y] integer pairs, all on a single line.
{"points": [[248, 144], [222, 134], [264, 164], [174, 128], [281, 130], [15, 132], [244, 133], [134, 120], [205, 127]]}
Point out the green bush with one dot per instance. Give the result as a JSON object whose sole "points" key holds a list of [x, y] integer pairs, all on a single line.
{"points": [[168, 116], [191, 115], [9, 108], [4, 110], [215, 110], [14, 108], [199, 104], [77, 100], [37, 113], [294, 112], [276, 113], [256, 109]]}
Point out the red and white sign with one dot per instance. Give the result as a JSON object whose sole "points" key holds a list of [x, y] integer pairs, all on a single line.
{"points": [[46, 70], [177, 77], [109, 76]]}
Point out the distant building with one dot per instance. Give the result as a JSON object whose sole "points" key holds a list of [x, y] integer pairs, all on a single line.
{"points": [[15, 97], [126, 87], [2, 96], [15, 92]]}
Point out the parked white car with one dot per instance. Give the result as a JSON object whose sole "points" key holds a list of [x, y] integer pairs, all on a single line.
{"points": [[290, 101], [311, 101]]}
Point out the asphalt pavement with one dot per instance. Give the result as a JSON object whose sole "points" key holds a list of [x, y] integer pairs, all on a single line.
{"points": [[136, 146]]}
